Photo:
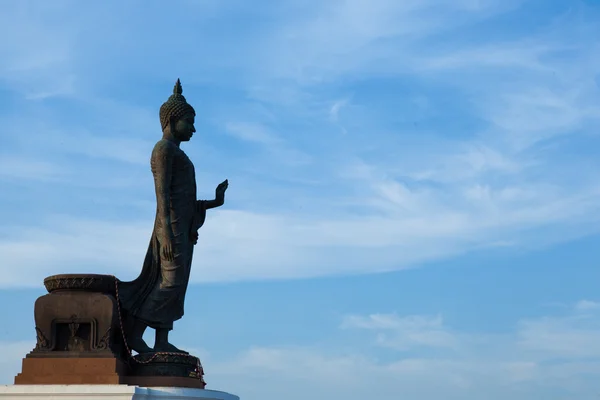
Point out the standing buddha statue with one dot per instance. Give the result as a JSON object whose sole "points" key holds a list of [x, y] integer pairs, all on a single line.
{"points": [[156, 298]]}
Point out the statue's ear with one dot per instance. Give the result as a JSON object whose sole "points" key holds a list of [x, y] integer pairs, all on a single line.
{"points": [[172, 122]]}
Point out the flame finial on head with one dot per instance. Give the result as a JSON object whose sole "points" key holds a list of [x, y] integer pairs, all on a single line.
{"points": [[177, 89]]}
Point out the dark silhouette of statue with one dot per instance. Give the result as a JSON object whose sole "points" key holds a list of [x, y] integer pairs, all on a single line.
{"points": [[156, 298]]}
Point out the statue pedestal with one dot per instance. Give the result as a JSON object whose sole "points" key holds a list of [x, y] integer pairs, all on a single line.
{"points": [[80, 341], [71, 371], [106, 392]]}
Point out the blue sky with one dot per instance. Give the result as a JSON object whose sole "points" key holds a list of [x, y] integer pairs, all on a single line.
{"points": [[414, 199]]}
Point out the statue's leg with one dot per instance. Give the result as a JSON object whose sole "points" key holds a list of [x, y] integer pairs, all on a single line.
{"points": [[135, 337], [162, 342], [174, 281]]}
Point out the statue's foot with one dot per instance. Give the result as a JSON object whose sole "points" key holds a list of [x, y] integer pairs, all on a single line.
{"points": [[167, 347], [139, 345]]}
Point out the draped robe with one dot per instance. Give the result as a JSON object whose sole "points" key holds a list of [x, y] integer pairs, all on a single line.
{"points": [[157, 296]]}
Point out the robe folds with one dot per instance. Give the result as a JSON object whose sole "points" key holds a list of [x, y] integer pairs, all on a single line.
{"points": [[157, 295]]}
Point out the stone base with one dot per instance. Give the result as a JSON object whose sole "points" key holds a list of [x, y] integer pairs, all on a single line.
{"points": [[72, 371], [94, 371], [106, 392], [167, 365]]}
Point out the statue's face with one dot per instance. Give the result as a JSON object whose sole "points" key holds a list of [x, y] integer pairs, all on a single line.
{"points": [[184, 128]]}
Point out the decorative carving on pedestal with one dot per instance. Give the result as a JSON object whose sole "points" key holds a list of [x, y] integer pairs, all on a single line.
{"points": [[42, 343], [77, 282], [104, 341]]}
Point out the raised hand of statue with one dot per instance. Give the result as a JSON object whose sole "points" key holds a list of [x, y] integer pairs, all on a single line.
{"points": [[220, 191]]}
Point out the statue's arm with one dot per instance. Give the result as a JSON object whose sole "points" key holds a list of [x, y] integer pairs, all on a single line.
{"points": [[208, 204], [162, 160], [203, 205], [219, 199]]}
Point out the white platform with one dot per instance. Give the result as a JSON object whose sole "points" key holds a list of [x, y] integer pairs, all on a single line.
{"points": [[112, 392]]}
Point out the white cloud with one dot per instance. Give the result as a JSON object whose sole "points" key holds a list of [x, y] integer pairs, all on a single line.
{"points": [[343, 37], [334, 111], [20, 168], [277, 149], [392, 321], [298, 373], [36, 62], [587, 305], [77, 246], [573, 337], [407, 332], [482, 365], [251, 133]]}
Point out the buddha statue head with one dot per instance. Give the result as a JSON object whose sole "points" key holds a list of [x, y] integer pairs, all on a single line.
{"points": [[177, 117]]}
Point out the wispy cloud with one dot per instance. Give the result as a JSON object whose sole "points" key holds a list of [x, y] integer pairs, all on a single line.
{"points": [[482, 365], [587, 305], [22, 168], [276, 148], [251, 132], [37, 61], [334, 111], [407, 332], [573, 336]]}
